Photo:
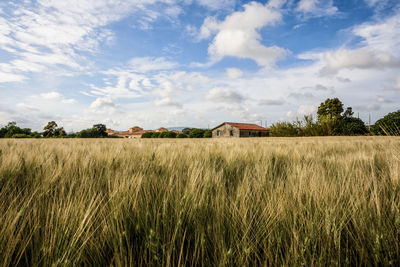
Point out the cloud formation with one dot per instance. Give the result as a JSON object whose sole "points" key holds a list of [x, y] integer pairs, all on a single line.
{"points": [[226, 95], [238, 35]]}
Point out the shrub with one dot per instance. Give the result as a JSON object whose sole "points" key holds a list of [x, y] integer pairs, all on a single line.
{"points": [[181, 135], [196, 133], [168, 135], [156, 135], [284, 129], [147, 135], [207, 134], [350, 126], [388, 125], [20, 136]]}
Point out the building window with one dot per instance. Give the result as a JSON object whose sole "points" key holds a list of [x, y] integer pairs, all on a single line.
{"points": [[231, 132], [218, 133]]}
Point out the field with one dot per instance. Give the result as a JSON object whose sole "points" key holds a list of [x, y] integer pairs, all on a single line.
{"points": [[157, 202]]}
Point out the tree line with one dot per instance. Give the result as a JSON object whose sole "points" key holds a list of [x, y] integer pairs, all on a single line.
{"points": [[51, 130], [186, 133], [332, 119]]}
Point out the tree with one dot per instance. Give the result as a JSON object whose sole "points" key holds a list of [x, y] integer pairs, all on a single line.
{"points": [[155, 135], [97, 131], [181, 135], [348, 113], [196, 133], [331, 109], [50, 129], [147, 135], [284, 129], [3, 131], [101, 130], [186, 131], [207, 134], [388, 125], [168, 134], [12, 129], [350, 126]]}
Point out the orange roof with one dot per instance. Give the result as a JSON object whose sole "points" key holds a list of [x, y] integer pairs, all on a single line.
{"points": [[245, 126]]}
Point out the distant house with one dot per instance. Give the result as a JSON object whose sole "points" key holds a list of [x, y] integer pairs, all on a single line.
{"points": [[134, 132], [161, 130], [234, 129]]}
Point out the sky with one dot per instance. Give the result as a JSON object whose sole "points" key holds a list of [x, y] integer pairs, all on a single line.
{"points": [[194, 63]]}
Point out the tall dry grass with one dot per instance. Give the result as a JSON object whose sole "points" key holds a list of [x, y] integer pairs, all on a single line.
{"points": [[272, 201]]}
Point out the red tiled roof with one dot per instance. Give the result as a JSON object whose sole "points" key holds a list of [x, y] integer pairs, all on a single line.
{"points": [[247, 126]]}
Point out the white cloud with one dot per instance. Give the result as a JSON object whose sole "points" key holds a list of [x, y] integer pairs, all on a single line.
{"points": [[45, 34], [234, 73], [368, 107], [238, 36], [381, 35], [146, 64], [358, 58], [372, 2], [302, 111], [397, 85], [69, 101], [217, 4], [10, 77], [166, 102], [316, 8], [382, 100], [271, 102], [102, 103], [27, 107], [227, 95], [51, 95], [55, 97]]}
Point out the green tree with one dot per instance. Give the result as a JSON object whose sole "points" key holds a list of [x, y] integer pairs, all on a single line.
{"points": [[12, 129], [50, 129], [284, 129], [186, 131], [168, 134], [350, 126], [147, 135], [196, 133], [101, 129], [181, 135], [97, 131], [388, 125], [156, 135], [207, 134], [331, 109]]}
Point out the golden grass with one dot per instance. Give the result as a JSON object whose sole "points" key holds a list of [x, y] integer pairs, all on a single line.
{"points": [[270, 201]]}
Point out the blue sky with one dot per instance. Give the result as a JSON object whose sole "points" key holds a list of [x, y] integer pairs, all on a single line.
{"points": [[194, 63]]}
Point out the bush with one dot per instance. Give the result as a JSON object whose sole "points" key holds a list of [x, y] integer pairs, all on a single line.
{"points": [[181, 135], [168, 135], [388, 125], [350, 126], [196, 133], [284, 129], [156, 135], [20, 136], [207, 134], [147, 135]]}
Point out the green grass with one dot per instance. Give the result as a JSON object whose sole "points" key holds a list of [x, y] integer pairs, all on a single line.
{"points": [[269, 201]]}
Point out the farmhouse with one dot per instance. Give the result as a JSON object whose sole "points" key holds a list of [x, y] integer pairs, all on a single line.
{"points": [[234, 129], [134, 132]]}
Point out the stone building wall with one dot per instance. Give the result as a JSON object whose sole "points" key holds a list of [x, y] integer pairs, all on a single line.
{"points": [[226, 130]]}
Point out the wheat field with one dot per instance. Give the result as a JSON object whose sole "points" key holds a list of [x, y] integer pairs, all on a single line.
{"points": [[232, 202]]}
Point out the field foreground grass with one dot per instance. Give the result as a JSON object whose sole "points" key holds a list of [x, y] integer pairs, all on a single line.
{"points": [[271, 201]]}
